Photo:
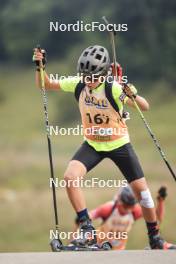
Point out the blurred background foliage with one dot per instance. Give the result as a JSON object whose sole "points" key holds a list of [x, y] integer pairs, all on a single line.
{"points": [[147, 49], [147, 54]]}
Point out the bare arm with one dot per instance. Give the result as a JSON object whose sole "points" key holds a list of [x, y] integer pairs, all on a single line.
{"points": [[160, 207], [142, 103], [49, 85], [131, 91]]}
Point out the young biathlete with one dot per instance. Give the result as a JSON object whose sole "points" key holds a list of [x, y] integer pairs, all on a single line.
{"points": [[101, 103], [119, 215]]}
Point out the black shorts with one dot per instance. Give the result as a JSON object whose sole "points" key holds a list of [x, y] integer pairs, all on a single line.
{"points": [[124, 157]]}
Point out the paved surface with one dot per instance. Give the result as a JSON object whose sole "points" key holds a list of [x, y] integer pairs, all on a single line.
{"points": [[113, 257]]}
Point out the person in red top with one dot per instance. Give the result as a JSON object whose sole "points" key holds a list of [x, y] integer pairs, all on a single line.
{"points": [[119, 215]]}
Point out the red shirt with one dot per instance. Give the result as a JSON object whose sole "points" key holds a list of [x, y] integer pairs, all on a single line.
{"points": [[105, 210]]}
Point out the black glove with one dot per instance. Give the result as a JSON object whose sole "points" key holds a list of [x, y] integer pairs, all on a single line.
{"points": [[162, 193]]}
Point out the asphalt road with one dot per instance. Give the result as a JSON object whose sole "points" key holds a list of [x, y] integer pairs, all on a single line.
{"points": [[112, 257]]}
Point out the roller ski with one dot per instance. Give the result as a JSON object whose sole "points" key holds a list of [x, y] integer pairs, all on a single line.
{"points": [[85, 242], [57, 246]]}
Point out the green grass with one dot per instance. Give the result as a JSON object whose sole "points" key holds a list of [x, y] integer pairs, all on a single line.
{"points": [[26, 212]]}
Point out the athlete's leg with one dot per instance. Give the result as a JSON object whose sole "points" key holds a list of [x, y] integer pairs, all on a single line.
{"points": [[75, 172], [83, 161], [143, 195], [127, 161]]}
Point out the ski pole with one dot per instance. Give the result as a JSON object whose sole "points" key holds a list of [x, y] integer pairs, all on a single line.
{"points": [[112, 33], [45, 106], [156, 142]]}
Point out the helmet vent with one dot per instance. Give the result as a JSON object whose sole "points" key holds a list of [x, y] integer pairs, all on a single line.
{"points": [[93, 68], [93, 52], [87, 65], [102, 49], [85, 53], [98, 57]]}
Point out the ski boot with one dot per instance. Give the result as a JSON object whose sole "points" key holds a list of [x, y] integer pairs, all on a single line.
{"points": [[157, 242]]}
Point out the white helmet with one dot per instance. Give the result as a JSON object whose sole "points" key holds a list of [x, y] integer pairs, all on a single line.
{"points": [[94, 60]]}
